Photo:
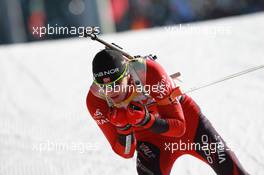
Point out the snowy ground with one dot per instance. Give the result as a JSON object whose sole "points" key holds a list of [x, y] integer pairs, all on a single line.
{"points": [[44, 124]]}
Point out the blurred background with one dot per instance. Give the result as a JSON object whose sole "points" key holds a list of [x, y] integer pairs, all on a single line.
{"points": [[19, 17], [45, 128]]}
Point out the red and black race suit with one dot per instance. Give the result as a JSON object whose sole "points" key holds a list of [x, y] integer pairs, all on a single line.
{"points": [[178, 123]]}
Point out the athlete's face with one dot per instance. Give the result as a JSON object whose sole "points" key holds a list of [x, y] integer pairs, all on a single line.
{"points": [[119, 90]]}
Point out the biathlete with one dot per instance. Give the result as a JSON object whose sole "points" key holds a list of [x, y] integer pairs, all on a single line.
{"points": [[139, 108]]}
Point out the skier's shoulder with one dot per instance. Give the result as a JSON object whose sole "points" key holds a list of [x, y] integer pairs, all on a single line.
{"points": [[145, 60], [94, 96], [147, 66], [153, 66], [155, 71]]}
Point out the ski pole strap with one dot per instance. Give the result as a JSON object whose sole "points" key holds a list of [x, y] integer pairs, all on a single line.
{"points": [[172, 98]]}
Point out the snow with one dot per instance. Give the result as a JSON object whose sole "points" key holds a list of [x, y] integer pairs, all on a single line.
{"points": [[45, 127]]}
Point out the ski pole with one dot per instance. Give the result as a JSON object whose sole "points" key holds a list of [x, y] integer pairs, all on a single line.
{"points": [[204, 85]]}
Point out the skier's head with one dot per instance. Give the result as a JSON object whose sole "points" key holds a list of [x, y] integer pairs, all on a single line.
{"points": [[109, 66], [110, 72]]}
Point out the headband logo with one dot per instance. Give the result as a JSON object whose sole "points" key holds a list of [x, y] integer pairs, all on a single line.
{"points": [[108, 72]]}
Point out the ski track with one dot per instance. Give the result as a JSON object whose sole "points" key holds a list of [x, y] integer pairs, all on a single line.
{"points": [[43, 87]]}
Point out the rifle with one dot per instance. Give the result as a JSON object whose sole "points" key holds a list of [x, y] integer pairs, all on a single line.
{"points": [[175, 76], [114, 46]]}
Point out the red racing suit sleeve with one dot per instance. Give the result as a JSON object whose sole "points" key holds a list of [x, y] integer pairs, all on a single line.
{"points": [[99, 110], [171, 121]]}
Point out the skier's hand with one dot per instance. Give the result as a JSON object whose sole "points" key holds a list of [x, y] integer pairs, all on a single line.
{"points": [[137, 115], [117, 117]]}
